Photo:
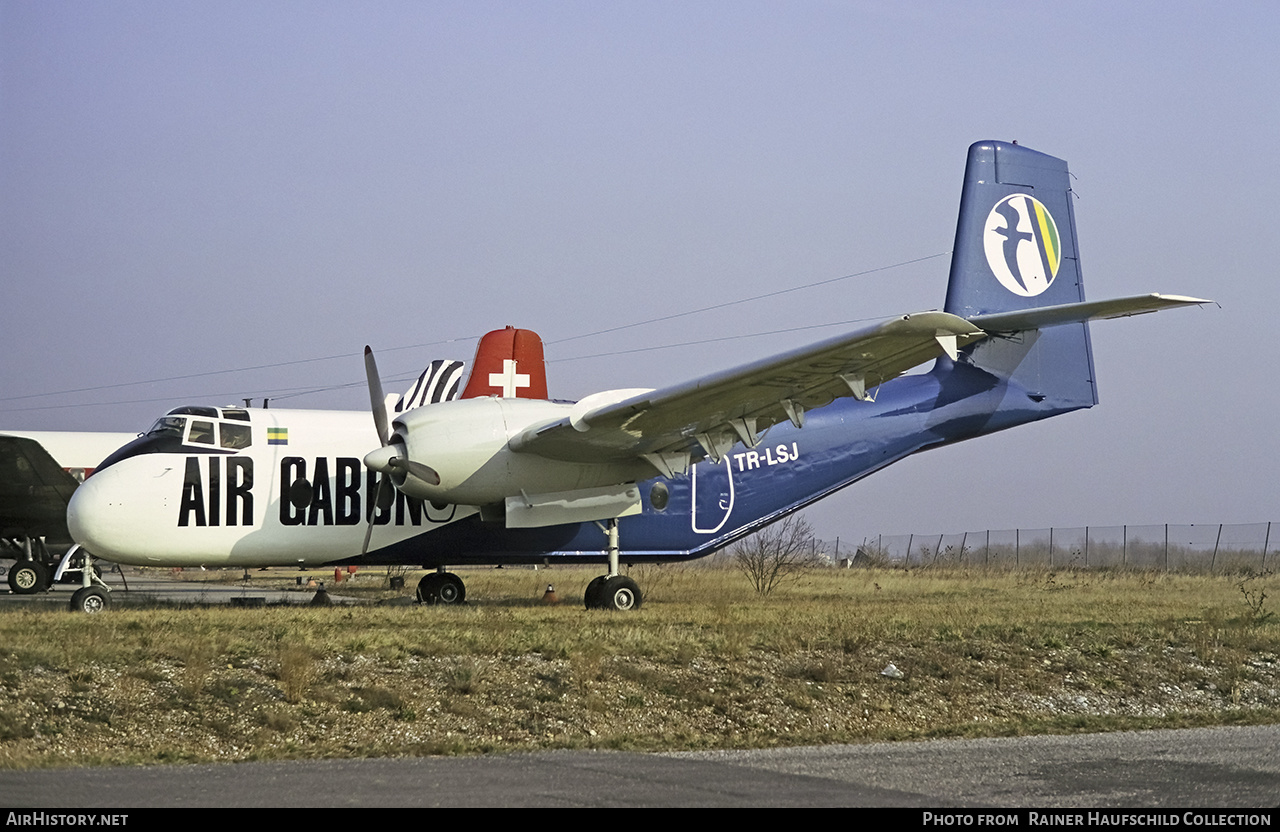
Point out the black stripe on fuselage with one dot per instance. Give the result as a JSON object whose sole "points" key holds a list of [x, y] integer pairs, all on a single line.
{"points": [[154, 443]]}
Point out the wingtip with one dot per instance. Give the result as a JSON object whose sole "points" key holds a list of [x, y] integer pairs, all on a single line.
{"points": [[1185, 299]]}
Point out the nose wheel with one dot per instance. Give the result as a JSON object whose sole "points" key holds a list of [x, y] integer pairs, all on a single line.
{"points": [[90, 599]]}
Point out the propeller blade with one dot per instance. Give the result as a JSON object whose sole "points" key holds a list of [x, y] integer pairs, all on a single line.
{"points": [[368, 533], [381, 502], [423, 472], [376, 399]]}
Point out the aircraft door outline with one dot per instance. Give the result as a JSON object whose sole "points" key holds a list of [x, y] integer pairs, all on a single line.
{"points": [[719, 497]]}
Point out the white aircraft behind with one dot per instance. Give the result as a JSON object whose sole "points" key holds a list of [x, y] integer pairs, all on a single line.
{"points": [[39, 470], [496, 472]]}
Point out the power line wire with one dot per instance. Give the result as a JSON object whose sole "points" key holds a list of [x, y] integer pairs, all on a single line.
{"points": [[285, 393], [749, 300]]}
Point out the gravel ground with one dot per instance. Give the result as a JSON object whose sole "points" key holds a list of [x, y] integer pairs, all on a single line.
{"points": [[306, 706]]}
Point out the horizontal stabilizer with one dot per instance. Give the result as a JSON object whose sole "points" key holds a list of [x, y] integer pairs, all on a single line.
{"points": [[1074, 313]]}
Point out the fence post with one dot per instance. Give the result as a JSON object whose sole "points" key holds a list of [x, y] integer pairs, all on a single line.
{"points": [[1166, 546], [1265, 540], [1086, 547], [1214, 560], [1124, 546], [906, 561]]}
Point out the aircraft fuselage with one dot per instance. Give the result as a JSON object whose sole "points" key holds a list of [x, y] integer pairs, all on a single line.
{"points": [[300, 494]]}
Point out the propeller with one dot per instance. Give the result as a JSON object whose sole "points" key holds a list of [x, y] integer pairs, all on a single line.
{"points": [[390, 459], [378, 403]]}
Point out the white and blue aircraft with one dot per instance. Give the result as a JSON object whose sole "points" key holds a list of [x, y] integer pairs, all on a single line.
{"points": [[497, 473]]}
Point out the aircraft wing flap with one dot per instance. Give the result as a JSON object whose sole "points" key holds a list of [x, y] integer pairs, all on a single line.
{"points": [[1069, 313], [715, 411]]}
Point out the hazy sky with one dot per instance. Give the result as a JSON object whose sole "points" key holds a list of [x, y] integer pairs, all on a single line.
{"points": [[246, 194]]}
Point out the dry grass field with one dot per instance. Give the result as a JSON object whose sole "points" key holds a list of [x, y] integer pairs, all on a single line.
{"points": [[706, 663]]}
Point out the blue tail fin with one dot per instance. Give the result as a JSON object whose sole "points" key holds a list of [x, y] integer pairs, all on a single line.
{"points": [[1016, 249]]}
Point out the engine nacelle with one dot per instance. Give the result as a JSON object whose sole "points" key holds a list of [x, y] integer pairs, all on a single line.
{"points": [[466, 443]]}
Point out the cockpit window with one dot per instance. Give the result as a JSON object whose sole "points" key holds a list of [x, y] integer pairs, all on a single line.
{"points": [[235, 437], [168, 426], [228, 435], [201, 432], [195, 410], [235, 413]]}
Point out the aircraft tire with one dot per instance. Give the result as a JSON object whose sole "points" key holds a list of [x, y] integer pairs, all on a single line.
{"points": [[441, 588], [452, 590], [592, 596], [427, 589], [620, 593], [28, 577], [90, 599]]}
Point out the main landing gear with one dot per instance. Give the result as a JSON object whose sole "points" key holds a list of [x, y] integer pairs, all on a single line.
{"points": [[441, 587], [606, 592], [612, 591], [30, 573], [27, 577]]}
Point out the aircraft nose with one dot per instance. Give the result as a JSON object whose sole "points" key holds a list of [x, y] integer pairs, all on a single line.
{"points": [[94, 517]]}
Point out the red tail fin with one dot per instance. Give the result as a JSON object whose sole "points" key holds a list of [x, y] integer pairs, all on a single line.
{"points": [[508, 364]]}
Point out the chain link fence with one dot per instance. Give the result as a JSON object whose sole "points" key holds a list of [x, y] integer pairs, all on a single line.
{"points": [[1230, 548]]}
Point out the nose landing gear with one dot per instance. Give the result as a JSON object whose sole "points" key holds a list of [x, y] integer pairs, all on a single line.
{"points": [[93, 596]]}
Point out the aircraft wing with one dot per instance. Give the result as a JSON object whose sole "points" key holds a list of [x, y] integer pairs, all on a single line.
{"points": [[1068, 313], [710, 414], [707, 416]]}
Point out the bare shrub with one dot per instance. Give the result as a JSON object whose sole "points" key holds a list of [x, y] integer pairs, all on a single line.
{"points": [[776, 553], [1255, 596]]}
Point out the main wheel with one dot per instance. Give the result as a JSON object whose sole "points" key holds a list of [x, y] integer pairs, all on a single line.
{"points": [[90, 599], [620, 593], [452, 590], [427, 588], [28, 577], [441, 588], [592, 596]]}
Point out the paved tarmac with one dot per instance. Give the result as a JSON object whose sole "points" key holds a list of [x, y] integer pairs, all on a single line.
{"points": [[192, 587], [1236, 767]]}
